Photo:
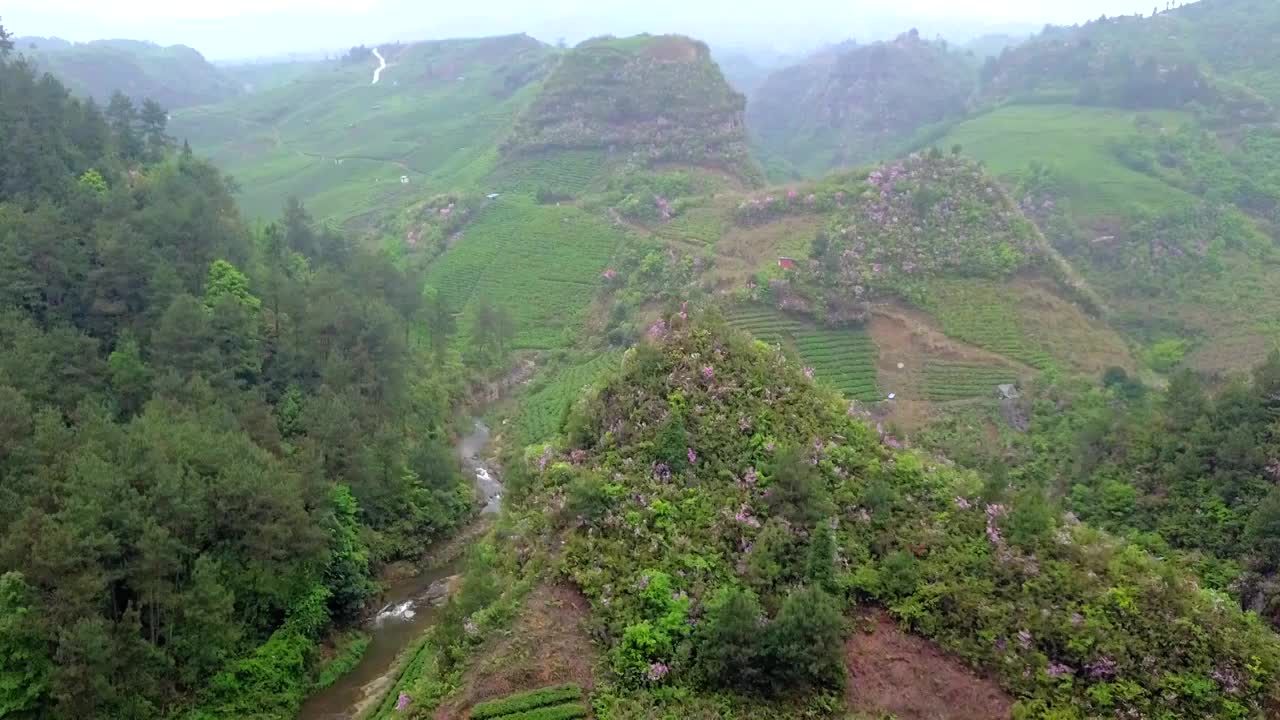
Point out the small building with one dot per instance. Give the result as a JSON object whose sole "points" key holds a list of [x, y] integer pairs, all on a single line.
{"points": [[404, 179], [493, 196], [787, 263]]}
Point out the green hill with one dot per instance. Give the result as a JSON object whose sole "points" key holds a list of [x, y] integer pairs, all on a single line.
{"points": [[175, 76], [637, 101], [722, 516], [850, 105], [343, 144], [1177, 59], [1172, 225]]}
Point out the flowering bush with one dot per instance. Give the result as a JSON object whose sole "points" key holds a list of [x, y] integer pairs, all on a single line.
{"points": [[924, 216], [1072, 621]]}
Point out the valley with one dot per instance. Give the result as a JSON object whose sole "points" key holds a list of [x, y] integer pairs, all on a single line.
{"points": [[636, 377]]}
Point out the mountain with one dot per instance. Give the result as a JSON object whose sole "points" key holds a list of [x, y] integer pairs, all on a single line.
{"points": [[721, 526], [175, 76], [849, 105], [640, 100], [325, 132], [1170, 60]]}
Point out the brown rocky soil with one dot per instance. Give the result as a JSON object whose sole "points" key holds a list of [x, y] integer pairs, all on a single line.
{"points": [[548, 645], [892, 672]]}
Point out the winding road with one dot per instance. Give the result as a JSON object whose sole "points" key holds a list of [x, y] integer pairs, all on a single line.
{"points": [[382, 65]]}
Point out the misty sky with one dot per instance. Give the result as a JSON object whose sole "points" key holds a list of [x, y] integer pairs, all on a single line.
{"points": [[253, 28]]}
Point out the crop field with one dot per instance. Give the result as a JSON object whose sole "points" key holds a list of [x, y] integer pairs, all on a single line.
{"points": [[956, 380], [540, 262], [1010, 138], [542, 409], [844, 359], [565, 172], [552, 703], [342, 144], [985, 315]]}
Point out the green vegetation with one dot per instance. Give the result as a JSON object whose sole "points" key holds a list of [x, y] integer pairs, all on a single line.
{"points": [[350, 648], [211, 437], [1165, 61], [552, 176], [331, 137], [953, 380], [175, 76], [567, 711], [732, 489], [983, 314], [1078, 165], [848, 106], [646, 99], [524, 701], [541, 262], [843, 359], [544, 405]]}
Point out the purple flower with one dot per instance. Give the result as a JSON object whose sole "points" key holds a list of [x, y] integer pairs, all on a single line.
{"points": [[610, 274], [693, 456], [791, 194], [708, 372], [658, 330], [657, 671], [876, 267], [808, 372], [1057, 670], [962, 503], [750, 477], [1228, 678], [745, 517], [403, 702], [1103, 667], [662, 472]]}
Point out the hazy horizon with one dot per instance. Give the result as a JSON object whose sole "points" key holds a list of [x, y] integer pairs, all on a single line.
{"points": [[244, 29]]}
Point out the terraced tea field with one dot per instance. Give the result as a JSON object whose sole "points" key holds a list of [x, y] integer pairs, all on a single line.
{"points": [[342, 144], [541, 262], [954, 380], [552, 703], [567, 172], [985, 315], [542, 409], [844, 359]]}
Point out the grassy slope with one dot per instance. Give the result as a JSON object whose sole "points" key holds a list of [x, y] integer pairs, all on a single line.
{"points": [[542, 262], [1074, 141], [435, 117], [1229, 313]]}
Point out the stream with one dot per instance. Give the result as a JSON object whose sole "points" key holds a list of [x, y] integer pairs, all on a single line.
{"points": [[408, 608]]}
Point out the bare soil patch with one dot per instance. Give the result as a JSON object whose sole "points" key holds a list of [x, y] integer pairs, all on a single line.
{"points": [[891, 671], [548, 645]]}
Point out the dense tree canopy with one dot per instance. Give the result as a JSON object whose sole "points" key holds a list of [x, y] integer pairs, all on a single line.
{"points": [[209, 436]]}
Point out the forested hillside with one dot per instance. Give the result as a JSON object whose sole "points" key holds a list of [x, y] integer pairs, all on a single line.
{"points": [[722, 514], [639, 100], [210, 437], [175, 76], [852, 105]]}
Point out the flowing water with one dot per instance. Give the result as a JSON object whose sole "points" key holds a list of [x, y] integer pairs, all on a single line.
{"points": [[407, 610]]}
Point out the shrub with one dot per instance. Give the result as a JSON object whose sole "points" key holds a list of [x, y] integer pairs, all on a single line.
{"points": [[804, 645], [728, 642], [522, 702]]}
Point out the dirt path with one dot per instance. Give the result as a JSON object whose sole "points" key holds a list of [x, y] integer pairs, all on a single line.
{"points": [[382, 65]]}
